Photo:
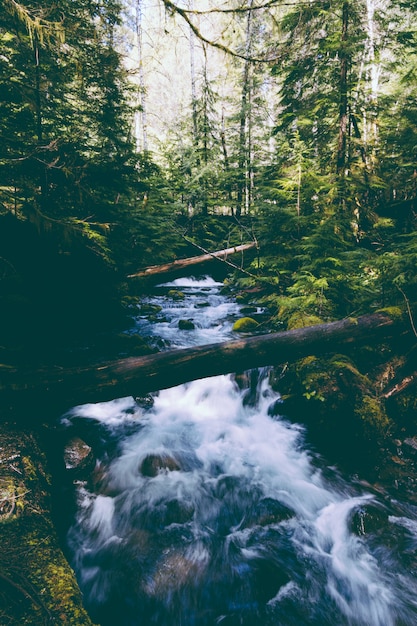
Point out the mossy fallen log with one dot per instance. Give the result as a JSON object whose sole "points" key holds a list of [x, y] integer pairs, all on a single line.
{"points": [[63, 388]]}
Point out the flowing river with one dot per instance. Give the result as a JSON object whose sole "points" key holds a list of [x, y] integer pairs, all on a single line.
{"points": [[206, 506]]}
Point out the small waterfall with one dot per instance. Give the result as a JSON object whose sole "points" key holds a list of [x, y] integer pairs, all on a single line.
{"points": [[206, 508]]}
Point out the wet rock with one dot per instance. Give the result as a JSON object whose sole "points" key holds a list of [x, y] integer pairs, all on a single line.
{"points": [[202, 305], [175, 294], [369, 519], [242, 380], [411, 445], [144, 402], [186, 324], [248, 310], [78, 457], [150, 309], [174, 571], [178, 512], [270, 511], [154, 464]]}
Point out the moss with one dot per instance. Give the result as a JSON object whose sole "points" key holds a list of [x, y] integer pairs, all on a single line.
{"points": [[37, 584], [342, 364], [175, 294], [375, 421], [302, 320], [394, 312], [245, 325]]}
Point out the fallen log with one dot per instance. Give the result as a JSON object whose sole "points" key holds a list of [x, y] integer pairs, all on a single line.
{"points": [[183, 264], [62, 388]]}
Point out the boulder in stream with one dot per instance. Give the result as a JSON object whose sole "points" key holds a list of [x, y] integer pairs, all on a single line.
{"points": [[153, 464], [186, 324], [78, 457]]}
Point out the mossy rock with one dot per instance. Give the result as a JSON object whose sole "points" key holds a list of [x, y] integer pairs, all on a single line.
{"points": [[175, 294], [245, 325], [186, 325], [130, 301], [150, 309], [373, 416]]}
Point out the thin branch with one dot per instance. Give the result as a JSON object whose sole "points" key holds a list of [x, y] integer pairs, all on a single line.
{"points": [[410, 314], [173, 8], [245, 9]]}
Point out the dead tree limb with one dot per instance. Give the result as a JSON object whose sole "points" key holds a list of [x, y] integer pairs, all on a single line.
{"points": [[182, 264]]}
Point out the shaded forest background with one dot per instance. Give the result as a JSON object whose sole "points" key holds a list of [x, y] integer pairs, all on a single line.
{"points": [[299, 133]]}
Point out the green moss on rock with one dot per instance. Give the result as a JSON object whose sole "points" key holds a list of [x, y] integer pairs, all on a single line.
{"points": [[245, 325], [373, 416], [175, 294]]}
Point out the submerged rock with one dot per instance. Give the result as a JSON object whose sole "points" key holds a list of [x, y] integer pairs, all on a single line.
{"points": [[153, 464], [186, 325]]}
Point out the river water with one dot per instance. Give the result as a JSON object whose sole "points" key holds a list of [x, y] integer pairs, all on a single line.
{"points": [[207, 507]]}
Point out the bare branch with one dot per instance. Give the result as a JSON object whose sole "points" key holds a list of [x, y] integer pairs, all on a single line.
{"points": [[173, 8]]}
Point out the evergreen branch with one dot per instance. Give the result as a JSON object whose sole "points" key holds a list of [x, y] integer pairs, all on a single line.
{"points": [[36, 26]]}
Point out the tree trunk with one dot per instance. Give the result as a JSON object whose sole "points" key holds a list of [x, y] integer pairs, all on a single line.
{"points": [[63, 388], [343, 105], [182, 264], [142, 89], [243, 158]]}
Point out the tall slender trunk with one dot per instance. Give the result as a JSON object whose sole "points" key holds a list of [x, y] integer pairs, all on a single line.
{"points": [[142, 125], [244, 117], [193, 81], [43, 182], [205, 130], [226, 161], [341, 160], [194, 101], [374, 71], [38, 106]]}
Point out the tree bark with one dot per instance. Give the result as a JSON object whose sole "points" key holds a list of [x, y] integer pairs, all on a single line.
{"points": [[60, 389], [181, 264], [343, 104]]}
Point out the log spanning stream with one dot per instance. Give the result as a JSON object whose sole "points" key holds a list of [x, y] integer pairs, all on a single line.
{"points": [[206, 507]]}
